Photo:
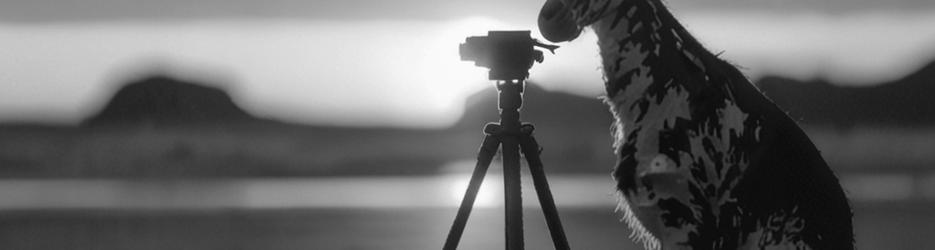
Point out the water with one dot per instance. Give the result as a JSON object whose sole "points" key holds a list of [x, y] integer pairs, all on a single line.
{"points": [[891, 212], [343, 192], [593, 191]]}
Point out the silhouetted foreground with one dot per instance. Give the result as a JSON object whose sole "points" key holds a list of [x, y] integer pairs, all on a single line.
{"points": [[704, 159]]}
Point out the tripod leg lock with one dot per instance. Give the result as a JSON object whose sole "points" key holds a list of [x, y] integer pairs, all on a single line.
{"points": [[496, 129], [493, 129]]}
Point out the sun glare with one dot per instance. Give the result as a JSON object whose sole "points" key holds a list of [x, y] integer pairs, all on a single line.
{"points": [[488, 196], [457, 177]]}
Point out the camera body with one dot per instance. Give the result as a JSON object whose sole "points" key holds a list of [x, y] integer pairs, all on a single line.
{"points": [[508, 54]]}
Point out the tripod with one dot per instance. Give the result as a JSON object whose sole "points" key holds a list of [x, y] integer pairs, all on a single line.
{"points": [[513, 136]]}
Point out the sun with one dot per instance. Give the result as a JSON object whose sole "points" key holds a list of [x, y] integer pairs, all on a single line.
{"points": [[448, 79]]}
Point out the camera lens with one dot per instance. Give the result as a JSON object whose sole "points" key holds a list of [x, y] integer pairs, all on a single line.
{"points": [[472, 48], [466, 52]]}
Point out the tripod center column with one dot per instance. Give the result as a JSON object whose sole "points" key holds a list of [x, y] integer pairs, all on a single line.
{"points": [[511, 100]]}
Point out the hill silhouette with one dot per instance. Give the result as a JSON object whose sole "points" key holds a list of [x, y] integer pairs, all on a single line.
{"points": [[572, 129], [163, 100], [905, 102]]}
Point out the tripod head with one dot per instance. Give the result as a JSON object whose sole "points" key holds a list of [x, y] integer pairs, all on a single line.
{"points": [[508, 54]]}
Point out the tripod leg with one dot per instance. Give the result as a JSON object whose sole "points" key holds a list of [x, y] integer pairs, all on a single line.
{"points": [[513, 198], [531, 151], [484, 157]]}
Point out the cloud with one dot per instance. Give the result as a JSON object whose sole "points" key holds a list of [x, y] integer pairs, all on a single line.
{"points": [[857, 48], [398, 73], [129, 10]]}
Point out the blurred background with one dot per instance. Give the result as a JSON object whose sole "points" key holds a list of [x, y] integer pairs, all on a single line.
{"points": [[209, 124]]}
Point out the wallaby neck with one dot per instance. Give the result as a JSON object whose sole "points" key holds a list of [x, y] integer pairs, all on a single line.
{"points": [[641, 41]]}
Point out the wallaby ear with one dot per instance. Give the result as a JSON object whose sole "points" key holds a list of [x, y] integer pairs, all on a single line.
{"points": [[556, 22]]}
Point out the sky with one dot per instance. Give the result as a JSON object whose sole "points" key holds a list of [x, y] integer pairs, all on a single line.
{"points": [[395, 63]]}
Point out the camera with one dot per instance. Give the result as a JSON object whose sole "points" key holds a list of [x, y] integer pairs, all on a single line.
{"points": [[508, 54]]}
